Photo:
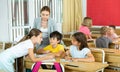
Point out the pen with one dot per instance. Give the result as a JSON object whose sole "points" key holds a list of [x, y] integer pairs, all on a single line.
{"points": [[71, 65]]}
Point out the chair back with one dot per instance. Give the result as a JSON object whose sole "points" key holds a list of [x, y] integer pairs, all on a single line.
{"points": [[99, 54], [2, 45]]}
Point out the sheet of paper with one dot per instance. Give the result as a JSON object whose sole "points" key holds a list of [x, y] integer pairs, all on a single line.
{"points": [[42, 55], [64, 60]]}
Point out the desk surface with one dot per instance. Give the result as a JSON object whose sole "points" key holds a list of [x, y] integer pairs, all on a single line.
{"points": [[95, 35], [112, 56], [82, 66], [115, 52], [85, 66]]}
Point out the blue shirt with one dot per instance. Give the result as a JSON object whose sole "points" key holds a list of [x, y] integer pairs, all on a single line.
{"points": [[75, 53]]}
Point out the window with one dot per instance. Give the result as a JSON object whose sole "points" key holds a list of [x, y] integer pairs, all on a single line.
{"points": [[21, 16]]}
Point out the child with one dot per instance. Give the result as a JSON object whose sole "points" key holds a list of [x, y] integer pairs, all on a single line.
{"points": [[87, 22], [79, 49], [112, 35], [24, 47], [103, 41], [54, 47]]}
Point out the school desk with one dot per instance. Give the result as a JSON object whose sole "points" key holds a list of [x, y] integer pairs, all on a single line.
{"points": [[95, 36], [115, 45], [74, 66], [112, 56]]}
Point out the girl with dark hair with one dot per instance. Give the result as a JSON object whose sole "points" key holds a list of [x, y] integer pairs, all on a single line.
{"points": [[79, 50], [24, 47]]}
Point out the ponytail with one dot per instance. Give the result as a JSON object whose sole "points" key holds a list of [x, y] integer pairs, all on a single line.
{"points": [[33, 32], [24, 38]]}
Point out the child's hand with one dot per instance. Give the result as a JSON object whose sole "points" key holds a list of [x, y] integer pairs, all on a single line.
{"points": [[74, 59], [50, 56], [68, 58], [47, 51]]}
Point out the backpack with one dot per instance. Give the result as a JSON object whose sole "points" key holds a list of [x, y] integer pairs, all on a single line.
{"points": [[37, 65]]}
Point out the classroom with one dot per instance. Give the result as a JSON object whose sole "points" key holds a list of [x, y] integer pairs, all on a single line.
{"points": [[59, 36]]}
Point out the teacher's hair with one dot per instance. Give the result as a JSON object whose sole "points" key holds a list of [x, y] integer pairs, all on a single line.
{"points": [[45, 8]]}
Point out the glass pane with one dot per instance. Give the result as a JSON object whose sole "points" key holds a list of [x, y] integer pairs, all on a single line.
{"points": [[26, 31], [19, 12], [26, 12]]}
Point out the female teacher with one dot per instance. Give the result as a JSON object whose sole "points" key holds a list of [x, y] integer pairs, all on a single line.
{"points": [[46, 25]]}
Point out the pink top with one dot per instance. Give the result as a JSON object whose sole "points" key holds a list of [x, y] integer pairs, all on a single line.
{"points": [[113, 36], [85, 30]]}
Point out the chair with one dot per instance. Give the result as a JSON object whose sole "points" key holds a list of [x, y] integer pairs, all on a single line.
{"points": [[99, 55], [2, 46], [50, 65], [91, 44]]}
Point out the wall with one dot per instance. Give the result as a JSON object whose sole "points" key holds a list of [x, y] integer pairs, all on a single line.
{"points": [[4, 34], [84, 5], [104, 12]]}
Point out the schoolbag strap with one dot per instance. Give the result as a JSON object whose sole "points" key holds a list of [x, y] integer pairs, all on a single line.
{"points": [[58, 67], [36, 67]]}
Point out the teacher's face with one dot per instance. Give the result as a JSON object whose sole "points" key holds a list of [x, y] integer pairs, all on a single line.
{"points": [[45, 15]]}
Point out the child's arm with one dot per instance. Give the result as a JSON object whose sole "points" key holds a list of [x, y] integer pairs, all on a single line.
{"points": [[89, 36], [60, 54], [68, 57], [34, 59], [89, 58], [42, 51]]}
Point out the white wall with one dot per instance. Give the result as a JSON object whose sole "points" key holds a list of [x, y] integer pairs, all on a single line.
{"points": [[84, 6], [4, 34]]}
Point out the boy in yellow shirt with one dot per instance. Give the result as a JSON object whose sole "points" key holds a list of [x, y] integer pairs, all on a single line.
{"points": [[55, 47]]}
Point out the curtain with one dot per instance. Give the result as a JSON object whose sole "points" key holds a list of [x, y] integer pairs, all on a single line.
{"points": [[72, 15]]}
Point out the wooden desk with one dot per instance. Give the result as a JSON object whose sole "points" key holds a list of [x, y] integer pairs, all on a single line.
{"points": [[117, 45], [83, 66], [112, 57], [95, 36]]}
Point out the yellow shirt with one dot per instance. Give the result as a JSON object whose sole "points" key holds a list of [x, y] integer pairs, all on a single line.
{"points": [[53, 50]]}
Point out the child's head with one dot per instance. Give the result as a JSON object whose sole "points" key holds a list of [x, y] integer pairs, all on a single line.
{"points": [[112, 29], [79, 39], [34, 33], [112, 26], [87, 21], [55, 37], [104, 30]]}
